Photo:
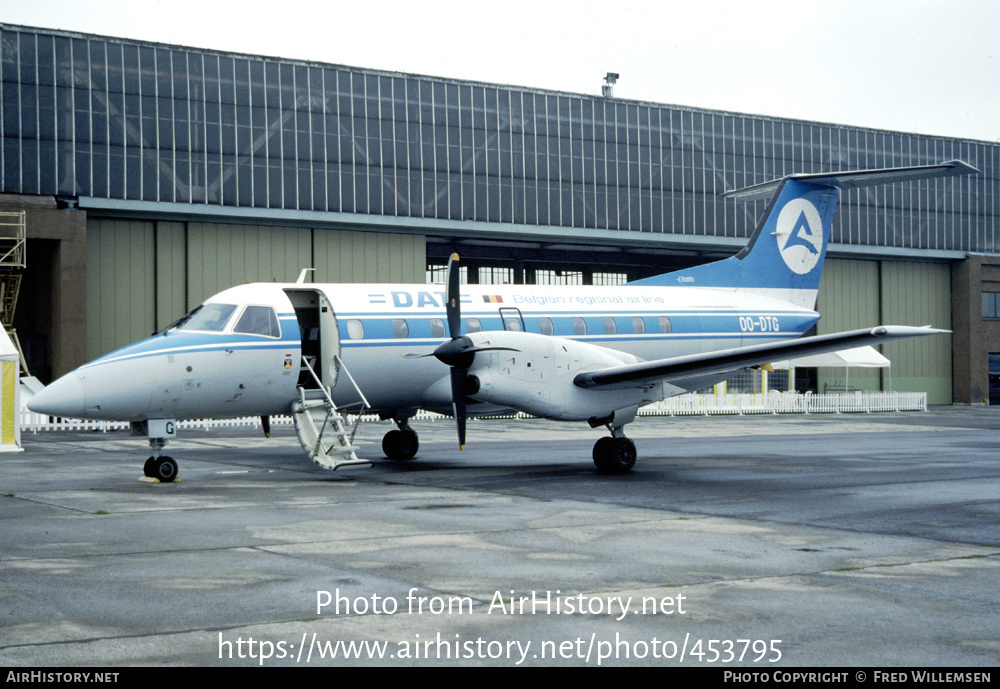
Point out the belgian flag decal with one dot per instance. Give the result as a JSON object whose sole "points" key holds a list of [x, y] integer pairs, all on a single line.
{"points": [[492, 298]]}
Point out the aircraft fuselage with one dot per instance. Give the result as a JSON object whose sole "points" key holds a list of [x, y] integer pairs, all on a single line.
{"points": [[227, 372]]}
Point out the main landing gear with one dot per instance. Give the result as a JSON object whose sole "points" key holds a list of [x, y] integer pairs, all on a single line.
{"points": [[614, 455], [402, 444]]}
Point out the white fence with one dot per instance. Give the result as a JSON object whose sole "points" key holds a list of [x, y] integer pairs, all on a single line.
{"points": [[787, 403], [683, 405]]}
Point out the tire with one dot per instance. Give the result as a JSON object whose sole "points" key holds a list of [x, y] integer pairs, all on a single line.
{"points": [[602, 449], [165, 469], [614, 455], [400, 446]]}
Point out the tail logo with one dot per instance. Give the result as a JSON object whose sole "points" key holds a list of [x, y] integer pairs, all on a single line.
{"points": [[799, 233]]}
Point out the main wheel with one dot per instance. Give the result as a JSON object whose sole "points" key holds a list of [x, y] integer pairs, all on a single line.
{"points": [[400, 445], [165, 469], [147, 468], [614, 455], [602, 448]]}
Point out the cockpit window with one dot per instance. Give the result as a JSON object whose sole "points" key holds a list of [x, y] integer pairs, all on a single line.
{"points": [[258, 320], [207, 317]]}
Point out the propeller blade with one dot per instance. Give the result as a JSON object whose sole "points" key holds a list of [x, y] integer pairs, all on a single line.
{"points": [[458, 352], [453, 307], [459, 379]]}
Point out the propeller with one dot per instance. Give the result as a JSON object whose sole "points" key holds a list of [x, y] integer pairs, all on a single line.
{"points": [[459, 352]]}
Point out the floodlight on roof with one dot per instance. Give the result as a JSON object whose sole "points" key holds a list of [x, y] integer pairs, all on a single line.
{"points": [[610, 79]]}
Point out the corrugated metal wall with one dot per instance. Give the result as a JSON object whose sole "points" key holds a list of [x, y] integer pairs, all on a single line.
{"points": [[858, 294], [220, 256], [848, 299], [171, 272], [369, 257], [121, 284], [143, 275], [919, 294]]}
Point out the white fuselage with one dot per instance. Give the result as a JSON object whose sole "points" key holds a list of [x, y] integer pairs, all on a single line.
{"points": [[230, 369]]}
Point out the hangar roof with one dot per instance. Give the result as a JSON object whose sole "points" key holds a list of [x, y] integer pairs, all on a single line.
{"points": [[129, 127]]}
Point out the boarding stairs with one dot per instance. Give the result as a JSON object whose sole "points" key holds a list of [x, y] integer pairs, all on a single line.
{"points": [[321, 428]]}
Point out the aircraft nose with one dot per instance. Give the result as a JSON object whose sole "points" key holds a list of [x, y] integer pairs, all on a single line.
{"points": [[63, 397]]}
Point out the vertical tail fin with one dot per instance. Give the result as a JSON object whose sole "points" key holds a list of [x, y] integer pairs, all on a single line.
{"points": [[784, 257]]}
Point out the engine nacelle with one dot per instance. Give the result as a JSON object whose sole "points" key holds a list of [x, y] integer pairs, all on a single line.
{"points": [[534, 373]]}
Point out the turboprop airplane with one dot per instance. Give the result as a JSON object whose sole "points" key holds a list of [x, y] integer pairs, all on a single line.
{"points": [[579, 353]]}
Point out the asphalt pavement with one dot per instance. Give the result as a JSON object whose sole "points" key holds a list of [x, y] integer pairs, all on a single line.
{"points": [[757, 542]]}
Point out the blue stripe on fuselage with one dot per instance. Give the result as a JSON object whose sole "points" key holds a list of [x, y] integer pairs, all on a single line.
{"points": [[687, 325], [181, 342], [379, 331]]}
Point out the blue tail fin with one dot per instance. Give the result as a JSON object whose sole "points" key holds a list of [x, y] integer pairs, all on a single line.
{"points": [[784, 257]]}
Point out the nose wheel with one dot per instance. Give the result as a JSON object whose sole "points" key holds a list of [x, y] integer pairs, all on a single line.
{"points": [[162, 468]]}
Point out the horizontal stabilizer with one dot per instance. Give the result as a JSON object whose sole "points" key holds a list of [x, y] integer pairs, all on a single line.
{"points": [[859, 178]]}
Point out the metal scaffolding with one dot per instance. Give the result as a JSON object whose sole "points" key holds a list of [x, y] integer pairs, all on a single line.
{"points": [[13, 240]]}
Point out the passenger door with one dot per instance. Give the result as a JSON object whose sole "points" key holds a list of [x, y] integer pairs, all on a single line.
{"points": [[319, 333]]}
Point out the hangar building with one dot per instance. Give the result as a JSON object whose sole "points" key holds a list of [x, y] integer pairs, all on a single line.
{"points": [[153, 176]]}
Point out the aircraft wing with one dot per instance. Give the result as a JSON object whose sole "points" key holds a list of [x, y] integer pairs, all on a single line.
{"points": [[695, 371]]}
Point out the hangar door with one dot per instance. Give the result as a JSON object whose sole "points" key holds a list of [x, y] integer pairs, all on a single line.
{"points": [[860, 293]]}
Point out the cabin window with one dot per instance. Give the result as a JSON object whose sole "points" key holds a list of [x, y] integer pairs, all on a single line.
{"points": [[665, 326], [400, 328], [638, 325], [208, 317], [355, 329], [513, 323], [545, 326], [475, 326], [437, 327], [258, 320], [610, 327], [579, 326]]}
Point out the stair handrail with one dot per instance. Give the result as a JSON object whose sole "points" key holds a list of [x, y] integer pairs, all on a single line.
{"points": [[343, 367]]}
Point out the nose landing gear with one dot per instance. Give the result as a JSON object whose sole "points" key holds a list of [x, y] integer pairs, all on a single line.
{"points": [[159, 432]]}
